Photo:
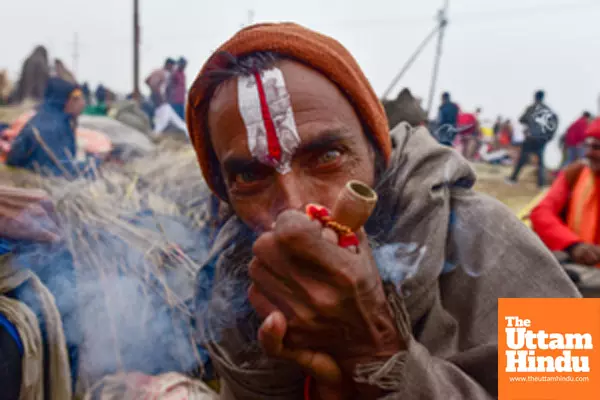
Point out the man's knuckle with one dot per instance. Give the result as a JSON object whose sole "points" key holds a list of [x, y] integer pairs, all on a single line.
{"points": [[304, 318], [253, 270], [348, 279], [264, 244], [293, 229], [289, 235], [327, 305], [294, 340]]}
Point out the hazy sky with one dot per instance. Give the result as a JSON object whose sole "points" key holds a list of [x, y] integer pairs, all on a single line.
{"points": [[496, 53]]}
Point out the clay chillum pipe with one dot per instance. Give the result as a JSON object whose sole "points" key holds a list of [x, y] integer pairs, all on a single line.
{"points": [[354, 205]]}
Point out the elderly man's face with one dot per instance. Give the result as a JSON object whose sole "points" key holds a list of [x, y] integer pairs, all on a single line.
{"points": [[332, 150], [592, 153]]}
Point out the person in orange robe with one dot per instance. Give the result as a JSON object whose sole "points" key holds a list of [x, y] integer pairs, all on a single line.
{"points": [[568, 218]]}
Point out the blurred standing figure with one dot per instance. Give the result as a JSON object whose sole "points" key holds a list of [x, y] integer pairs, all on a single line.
{"points": [[100, 94], [448, 114], [468, 125], [541, 123], [517, 139], [575, 137], [34, 76], [99, 106], [178, 88], [445, 132], [505, 134], [497, 127], [87, 94], [6, 87], [158, 82], [164, 115]]}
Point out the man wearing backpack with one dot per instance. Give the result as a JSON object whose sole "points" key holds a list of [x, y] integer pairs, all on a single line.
{"points": [[541, 124], [568, 218]]}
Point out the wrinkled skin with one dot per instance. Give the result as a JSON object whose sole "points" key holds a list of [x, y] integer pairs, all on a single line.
{"points": [[324, 306]]}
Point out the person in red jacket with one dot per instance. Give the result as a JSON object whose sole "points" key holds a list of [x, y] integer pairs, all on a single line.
{"points": [[468, 126], [568, 218], [574, 138], [177, 88]]}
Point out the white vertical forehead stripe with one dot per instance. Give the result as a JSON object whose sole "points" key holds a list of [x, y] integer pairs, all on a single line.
{"points": [[266, 109]]}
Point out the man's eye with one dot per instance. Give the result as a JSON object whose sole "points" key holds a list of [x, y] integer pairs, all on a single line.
{"points": [[329, 157], [247, 177]]}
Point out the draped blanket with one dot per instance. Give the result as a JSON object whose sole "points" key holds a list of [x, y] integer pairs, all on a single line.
{"points": [[446, 254]]}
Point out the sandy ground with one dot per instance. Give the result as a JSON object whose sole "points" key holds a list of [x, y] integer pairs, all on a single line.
{"points": [[490, 180], [9, 114]]}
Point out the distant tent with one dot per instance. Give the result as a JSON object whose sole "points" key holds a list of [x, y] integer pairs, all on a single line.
{"points": [[405, 108], [34, 77]]}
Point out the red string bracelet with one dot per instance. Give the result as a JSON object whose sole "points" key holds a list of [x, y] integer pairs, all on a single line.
{"points": [[307, 387], [346, 237]]}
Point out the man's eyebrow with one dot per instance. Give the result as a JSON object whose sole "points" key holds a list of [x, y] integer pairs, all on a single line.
{"points": [[238, 164], [325, 140]]}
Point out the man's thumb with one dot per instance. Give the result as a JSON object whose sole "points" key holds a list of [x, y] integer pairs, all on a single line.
{"points": [[319, 365]]}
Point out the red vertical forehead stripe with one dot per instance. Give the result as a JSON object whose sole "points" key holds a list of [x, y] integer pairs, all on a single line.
{"points": [[272, 140]]}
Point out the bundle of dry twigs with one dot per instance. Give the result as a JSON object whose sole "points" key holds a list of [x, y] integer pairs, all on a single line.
{"points": [[135, 237]]}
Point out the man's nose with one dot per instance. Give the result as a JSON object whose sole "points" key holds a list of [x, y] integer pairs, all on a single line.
{"points": [[291, 194]]}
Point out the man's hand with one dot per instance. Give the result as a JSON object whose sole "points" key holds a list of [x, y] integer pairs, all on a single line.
{"points": [[27, 214], [324, 305], [586, 254]]}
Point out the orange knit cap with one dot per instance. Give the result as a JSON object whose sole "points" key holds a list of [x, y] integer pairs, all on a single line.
{"points": [[593, 129], [321, 52]]}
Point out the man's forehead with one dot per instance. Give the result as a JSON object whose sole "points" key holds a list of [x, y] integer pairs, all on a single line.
{"points": [[316, 106], [304, 84]]}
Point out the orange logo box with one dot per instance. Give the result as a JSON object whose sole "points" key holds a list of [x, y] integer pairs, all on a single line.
{"points": [[549, 349]]}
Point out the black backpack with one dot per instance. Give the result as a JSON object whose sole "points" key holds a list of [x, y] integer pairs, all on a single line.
{"points": [[542, 123]]}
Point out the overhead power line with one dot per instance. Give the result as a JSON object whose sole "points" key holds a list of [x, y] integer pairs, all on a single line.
{"points": [[410, 62]]}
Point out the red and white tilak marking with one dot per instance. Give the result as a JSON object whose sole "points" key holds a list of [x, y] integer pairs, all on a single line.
{"points": [[266, 109]]}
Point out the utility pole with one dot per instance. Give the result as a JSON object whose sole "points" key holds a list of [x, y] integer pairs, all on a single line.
{"points": [[75, 53], [136, 51], [442, 23]]}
